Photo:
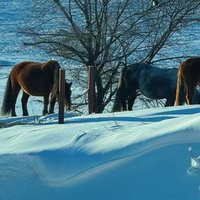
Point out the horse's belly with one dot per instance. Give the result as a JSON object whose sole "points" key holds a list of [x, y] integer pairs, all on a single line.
{"points": [[154, 93], [36, 91], [35, 86]]}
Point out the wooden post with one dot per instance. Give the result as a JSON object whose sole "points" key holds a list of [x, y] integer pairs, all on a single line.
{"points": [[61, 96], [91, 90]]}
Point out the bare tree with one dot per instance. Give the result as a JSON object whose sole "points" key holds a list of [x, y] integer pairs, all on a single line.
{"points": [[170, 17], [102, 33]]}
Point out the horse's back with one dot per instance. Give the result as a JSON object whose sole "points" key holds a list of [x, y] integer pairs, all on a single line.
{"points": [[25, 67], [35, 78], [153, 82], [35, 69], [35, 65], [190, 69], [146, 74], [148, 69]]}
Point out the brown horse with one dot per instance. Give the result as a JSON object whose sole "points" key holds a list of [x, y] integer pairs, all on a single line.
{"points": [[37, 79], [188, 77]]}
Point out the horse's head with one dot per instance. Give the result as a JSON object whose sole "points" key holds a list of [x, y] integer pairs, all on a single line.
{"points": [[68, 93]]}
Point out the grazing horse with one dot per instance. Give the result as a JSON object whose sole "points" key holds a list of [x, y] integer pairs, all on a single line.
{"points": [[37, 79], [188, 77], [151, 81]]}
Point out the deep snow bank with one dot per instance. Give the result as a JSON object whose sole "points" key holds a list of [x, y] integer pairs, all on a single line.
{"points": [[131, 155]]}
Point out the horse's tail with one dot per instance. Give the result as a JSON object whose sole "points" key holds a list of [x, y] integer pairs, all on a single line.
{"points": [[7, 100], [179, 87]]}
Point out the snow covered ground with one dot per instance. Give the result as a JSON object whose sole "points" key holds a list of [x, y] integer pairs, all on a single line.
{"points": [[143, 155], [146, 154]]}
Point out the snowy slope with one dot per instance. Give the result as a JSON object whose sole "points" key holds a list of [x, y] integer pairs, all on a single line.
{"points": [[141, 155], [128, 155]]}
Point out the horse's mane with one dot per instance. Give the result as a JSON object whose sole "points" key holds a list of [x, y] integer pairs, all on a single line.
{"points": [[51, 64], [54, 66], [121, 78]]}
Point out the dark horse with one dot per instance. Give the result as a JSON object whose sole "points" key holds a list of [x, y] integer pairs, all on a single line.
{"points": [[37, 79], [188, 77], [151, 81]]}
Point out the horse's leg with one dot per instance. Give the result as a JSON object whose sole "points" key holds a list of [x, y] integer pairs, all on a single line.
{"points": [[196, 97], [124, 108], [190, 85], [190, 93], [24, 101], [169, 102], [46, 102], [15, 93], [52, 104], [131, 100]]}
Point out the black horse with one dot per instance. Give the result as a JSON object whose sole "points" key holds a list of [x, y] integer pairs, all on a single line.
{"points": [[153, 82]]}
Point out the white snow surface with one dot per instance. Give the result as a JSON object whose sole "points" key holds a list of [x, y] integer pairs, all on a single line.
{"points": [[149, 154], [126, 155]]}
